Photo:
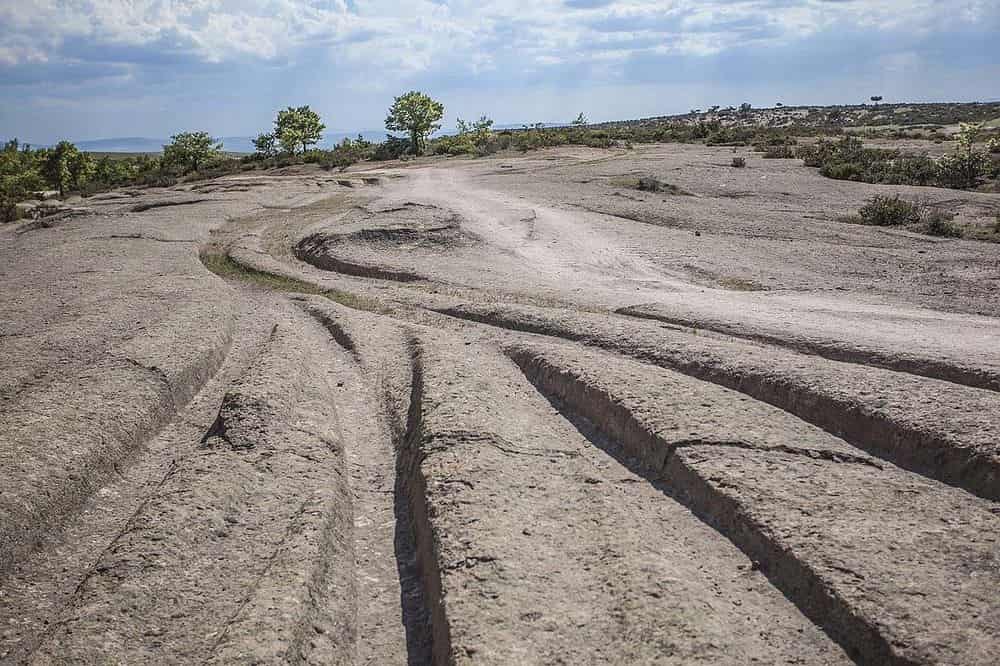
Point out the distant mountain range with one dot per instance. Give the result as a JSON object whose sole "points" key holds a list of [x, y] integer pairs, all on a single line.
{"points": [[230, 144]]}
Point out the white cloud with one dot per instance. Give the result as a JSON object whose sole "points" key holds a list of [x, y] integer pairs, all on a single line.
{"points": [[404, 38]]}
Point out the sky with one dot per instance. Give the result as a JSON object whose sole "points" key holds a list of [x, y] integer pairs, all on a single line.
{"points": [[88, 69]]}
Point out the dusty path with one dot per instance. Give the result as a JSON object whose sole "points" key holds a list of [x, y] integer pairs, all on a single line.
{"points": [[498, 411]]}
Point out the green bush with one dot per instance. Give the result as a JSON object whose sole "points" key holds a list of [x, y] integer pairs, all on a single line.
{"points": [[392, 148], [848, 159], [739, 162], [842, 170], [961, 170], [940, 223], [886, 211], [912, 170], [778, 152]]}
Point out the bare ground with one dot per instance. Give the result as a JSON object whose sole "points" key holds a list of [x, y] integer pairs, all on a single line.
{"points": [[507, 410]]}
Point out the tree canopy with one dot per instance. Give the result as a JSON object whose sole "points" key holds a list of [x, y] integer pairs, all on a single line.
{"points": [[265, 145], [190, 150], [298, 127], [417, 114]]}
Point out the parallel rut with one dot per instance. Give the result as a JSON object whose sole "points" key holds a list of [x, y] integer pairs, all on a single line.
{"points": [[359, 488]]}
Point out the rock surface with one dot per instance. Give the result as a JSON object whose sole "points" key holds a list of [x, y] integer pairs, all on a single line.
{"points": [[494, 411]]}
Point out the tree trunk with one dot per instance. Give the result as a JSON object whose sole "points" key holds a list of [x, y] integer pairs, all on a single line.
{"points": [[415, 140]]}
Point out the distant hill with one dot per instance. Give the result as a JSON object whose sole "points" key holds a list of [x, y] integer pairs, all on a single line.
{"points": [[231, 144], [858, 115], [128, 144]]}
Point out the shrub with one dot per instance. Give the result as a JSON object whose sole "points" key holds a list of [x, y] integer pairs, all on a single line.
{"points": [[648, 184], [940, 223], [739, 162], [961, 170], [913, 170], [848, 159], [391, 149], [778, 152], [265, 145], [453, 145], [886, 211]]}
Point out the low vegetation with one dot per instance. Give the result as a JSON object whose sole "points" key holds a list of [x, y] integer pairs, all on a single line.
{"points": [[27, 173], [849, 159], [893, 211], [223, 265], [886, 211], [649, 184]]}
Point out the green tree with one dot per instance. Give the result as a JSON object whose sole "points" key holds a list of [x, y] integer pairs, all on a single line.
{"points": [[298, 127], [265, 145], [482, 133], [190, 150], [416, 114], [581, 119], [56, 168], [964, 167], [81, 169], [115, 171], [20, 175]]}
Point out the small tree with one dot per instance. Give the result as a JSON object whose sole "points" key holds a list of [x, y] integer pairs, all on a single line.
{"points": [[81, 169], [964, 167], [745, 108], [190, 150], [417, 114], [19, 176], [265, 145], [580, 121], [56, 168], [480, 132], [298, 127], [876, 99]]}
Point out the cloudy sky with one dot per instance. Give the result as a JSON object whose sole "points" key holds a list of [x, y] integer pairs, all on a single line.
{"points": [[84, 69]]}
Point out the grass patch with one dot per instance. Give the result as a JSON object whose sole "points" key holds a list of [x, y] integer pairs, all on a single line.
{"points": [[225, 267], [740, 284]]}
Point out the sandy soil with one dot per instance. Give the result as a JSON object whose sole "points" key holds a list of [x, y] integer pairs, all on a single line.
{"points": [[503, 410]]}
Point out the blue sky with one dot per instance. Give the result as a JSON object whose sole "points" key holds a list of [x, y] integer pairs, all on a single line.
{"points": [[85, 69]]}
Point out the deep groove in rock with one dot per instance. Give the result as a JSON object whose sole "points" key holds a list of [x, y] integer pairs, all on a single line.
{"points": [[340, 336], [876, 433], [139, 208], [305, 250], [427, 633], [921, 367], [621, 436]]}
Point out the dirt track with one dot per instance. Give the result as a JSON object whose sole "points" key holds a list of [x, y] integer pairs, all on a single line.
{"points": [[500, 411]]}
